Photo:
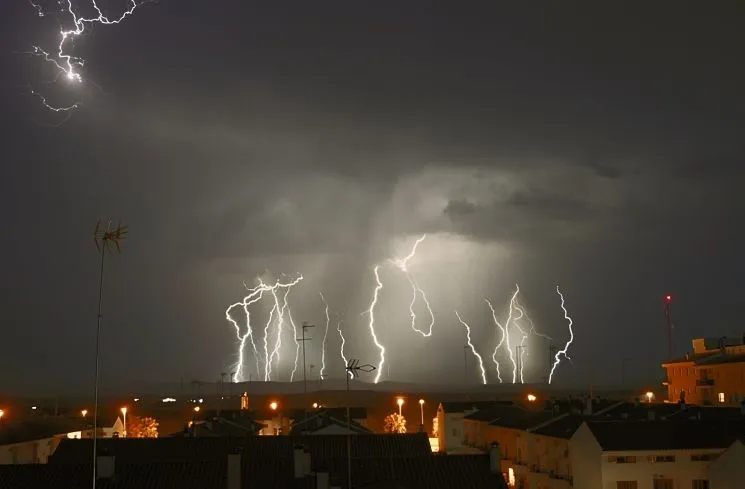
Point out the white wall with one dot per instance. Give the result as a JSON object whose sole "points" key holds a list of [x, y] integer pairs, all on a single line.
{"points": [[728, 471], [585, 456], [683, 471], [30, 452]]}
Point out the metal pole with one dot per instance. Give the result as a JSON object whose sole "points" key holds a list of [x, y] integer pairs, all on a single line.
{"points": [[98, 345], [349, 436]]}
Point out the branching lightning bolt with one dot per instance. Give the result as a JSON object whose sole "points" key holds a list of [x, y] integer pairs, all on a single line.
{"points": [[67, 64], [523, 336], [473, 349], [507, 335], [341, 348], [325, 334], [501, 341], [371, 324], [297, 345], [403, 265], [563, 351], [275, 315]]}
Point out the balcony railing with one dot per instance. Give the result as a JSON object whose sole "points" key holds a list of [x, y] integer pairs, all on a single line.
{"points": [[704, 382]]}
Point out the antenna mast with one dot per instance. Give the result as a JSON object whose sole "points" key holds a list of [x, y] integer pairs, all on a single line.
{"points": [[668, 325]]}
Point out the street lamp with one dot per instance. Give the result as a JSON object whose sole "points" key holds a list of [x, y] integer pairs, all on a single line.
{"points": [[400, 402], [353, 369], [421, 410], [84, 413], [650, 396], [273, 405], [124, 413], [2, 413], [532, 398]]}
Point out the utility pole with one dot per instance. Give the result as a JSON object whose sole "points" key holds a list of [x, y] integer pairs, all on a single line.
{"points": [[669, 325], [104, 239], [305, 377], [353, 368]]}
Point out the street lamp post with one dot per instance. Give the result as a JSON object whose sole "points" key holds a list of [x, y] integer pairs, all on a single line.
{"points": [[400, 402], [305, 377], [421, 410], [124, 421], [352, 367]]}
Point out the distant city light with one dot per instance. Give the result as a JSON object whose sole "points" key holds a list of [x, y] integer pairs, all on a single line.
{"points": [[197, 409], [668, 298], [315, 405], [33, 408], [201, 401], [168, 399], [421, 401], [137, 399], [2, 413], [84, 413]]}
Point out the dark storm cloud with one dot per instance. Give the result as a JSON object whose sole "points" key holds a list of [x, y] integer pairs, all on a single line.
{"points": [[600, 145]]}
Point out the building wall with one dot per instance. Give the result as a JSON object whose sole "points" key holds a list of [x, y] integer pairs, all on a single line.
{"points": [[726, 472], [450, 430], [729, 382], [682, 377], [585, 456], [30, 452], [683, 471]]}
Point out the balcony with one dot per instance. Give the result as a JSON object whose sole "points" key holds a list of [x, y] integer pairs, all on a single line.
{"points": [[704, 382]]}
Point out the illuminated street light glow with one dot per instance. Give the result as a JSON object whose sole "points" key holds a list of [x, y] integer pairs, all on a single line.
{"points": [[532, 398], [197, 409], [273, 405], [400, 402], [650, 396], [84, 413]]}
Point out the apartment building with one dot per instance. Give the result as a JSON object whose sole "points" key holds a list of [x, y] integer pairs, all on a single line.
{"points": [[450, 425], [651, 454], [714, 373], [726, 471]]}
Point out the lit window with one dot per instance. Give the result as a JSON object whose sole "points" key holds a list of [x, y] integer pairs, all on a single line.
{"points": [[721, 397]]}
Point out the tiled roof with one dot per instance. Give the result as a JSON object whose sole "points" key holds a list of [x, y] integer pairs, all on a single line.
{"points": [[720, 359], [693, 358], [665, 434], [521, 419], [336, 412], [224, 427], [639, 411], [321, 447], [463, 406], [561, 427], [322, 420], [491, 412], [431, 472], [707, 412], [37, 429]]}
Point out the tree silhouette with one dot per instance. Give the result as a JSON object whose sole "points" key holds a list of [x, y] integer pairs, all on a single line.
{"points": [[394, 423], [145, 427]]}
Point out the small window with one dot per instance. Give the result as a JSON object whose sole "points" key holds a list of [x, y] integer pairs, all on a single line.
{"points": [[721, 397], [621, 460], [700, 484], [703, 457], [627, 485], [661, 459]]}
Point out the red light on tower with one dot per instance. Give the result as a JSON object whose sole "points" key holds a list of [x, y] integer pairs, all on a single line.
{"points": [[668, 298]]}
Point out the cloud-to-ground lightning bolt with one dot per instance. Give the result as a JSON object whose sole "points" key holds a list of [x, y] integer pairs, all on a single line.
{"points": [[563, 351], [473, 349], [325, 334], [403, 265], [507, 344], [297, 345], [279, 310], [339, 322], [67, 64], [371, 322], [523, 336], [255, 295], [501, 341]]}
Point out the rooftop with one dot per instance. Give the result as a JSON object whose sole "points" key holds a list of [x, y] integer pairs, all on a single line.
{"points": [[665, 434], [431, 472], [464, 406], [180, 449], [561, 427]]}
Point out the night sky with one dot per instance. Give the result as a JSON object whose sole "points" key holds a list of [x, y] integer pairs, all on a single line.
{"points": [[594, 147]]}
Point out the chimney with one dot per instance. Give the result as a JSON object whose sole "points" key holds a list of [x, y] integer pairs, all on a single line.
{"points": [[104, 466], [322, 480], [234, 471], [301, 459], [588, 407], [495, 458]]}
